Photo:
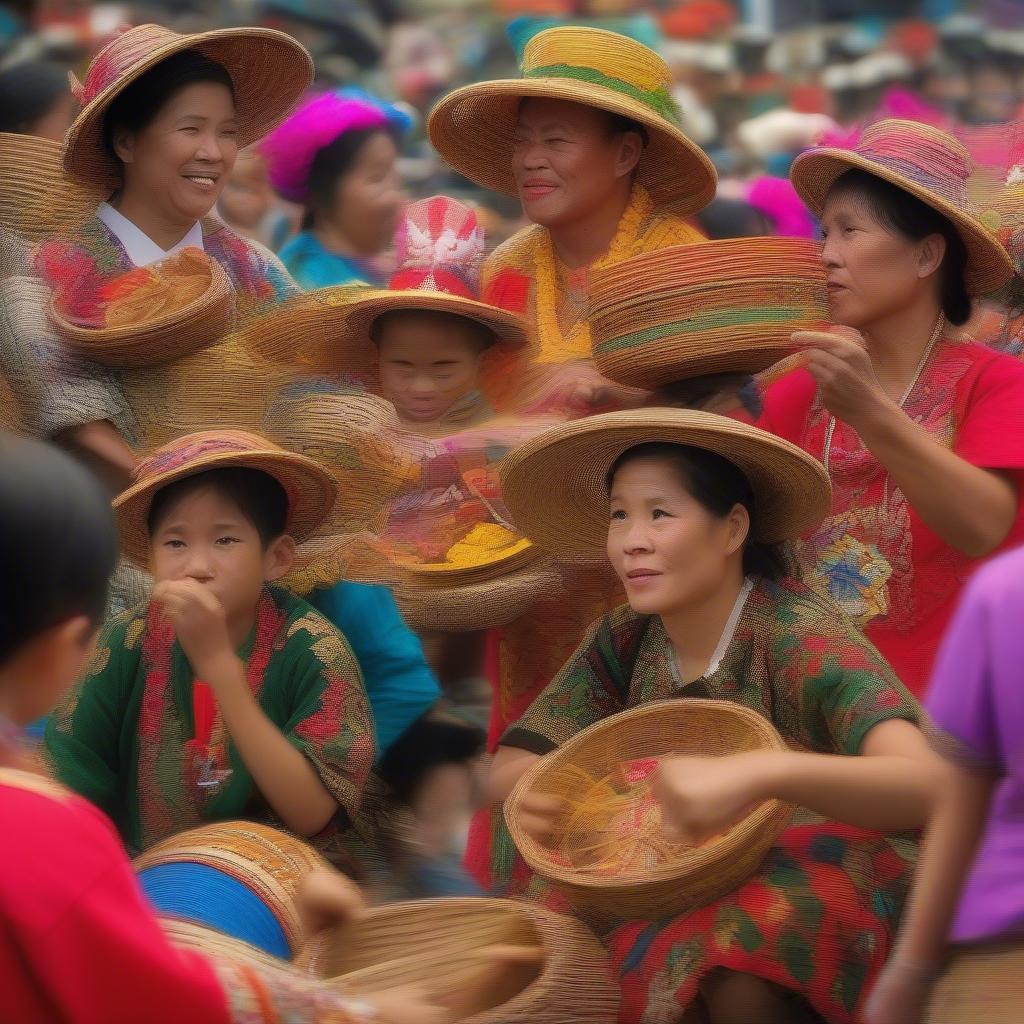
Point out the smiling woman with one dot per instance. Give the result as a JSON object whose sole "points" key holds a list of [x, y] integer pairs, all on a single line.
{"points": [[163, 119]]}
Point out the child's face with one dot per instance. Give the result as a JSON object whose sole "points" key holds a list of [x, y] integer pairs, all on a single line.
{"points": [[426, 364], [207, 538]]}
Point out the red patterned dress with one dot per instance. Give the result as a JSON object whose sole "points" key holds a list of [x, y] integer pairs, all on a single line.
{"points": [[873, 555]]}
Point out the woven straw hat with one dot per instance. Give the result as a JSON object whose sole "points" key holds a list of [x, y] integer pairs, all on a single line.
{"points": [[164, 332], [447, 948], [691, 310], [270, 71], [927, 163], [311, 490], [473, 127], [651, 881], [37, 199], [554, 484], [227, 876], [439, 251]]}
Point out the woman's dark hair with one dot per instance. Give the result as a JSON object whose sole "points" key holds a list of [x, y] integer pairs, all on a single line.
{"points": [[29, 90], [899, 211], [331, 164], [140, 102], [426, 744], [58, 542], [258, 496], [719, 486], [619, 123]]}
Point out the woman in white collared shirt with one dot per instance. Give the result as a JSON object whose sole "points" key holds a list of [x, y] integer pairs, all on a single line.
{"points": [[163, 119]]}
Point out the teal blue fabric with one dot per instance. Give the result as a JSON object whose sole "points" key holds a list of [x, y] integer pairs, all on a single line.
{"points": [[399, 683], [314, 266]]}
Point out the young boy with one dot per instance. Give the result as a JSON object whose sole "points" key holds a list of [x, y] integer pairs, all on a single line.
{"points": [[78, 944], [226, 696]]}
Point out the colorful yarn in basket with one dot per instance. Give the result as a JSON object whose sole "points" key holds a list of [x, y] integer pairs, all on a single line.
{"points": [[237, 877], [692, 310]]}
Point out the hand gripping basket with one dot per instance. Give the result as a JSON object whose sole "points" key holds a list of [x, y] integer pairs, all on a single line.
{"points": [[671, 878]]}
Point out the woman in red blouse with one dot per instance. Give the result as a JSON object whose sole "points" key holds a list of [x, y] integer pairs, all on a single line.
{"points": [[922, 432]]}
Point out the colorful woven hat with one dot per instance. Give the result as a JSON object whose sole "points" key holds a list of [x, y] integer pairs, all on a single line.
{"points": [[37, 199], [311, 490], [473, 127], [239, 878], [144, 317], [440, 247], [691, 310], [927, 163], [291, 148], [269, 70], [554, 484], [609, 854]]}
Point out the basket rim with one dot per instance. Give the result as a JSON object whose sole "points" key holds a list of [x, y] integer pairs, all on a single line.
{"points": [[535, 854]]}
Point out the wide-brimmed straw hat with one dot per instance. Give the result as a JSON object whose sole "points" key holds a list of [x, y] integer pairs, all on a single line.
{"points": [[927, 163], [269, 69], [440, 248], [554, 484], [182, 305], [473, 127], [690, 310], [311, 490], [37, 198]]}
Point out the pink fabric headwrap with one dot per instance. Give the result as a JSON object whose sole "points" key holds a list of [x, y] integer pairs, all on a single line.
{"points": [[290, 149]]}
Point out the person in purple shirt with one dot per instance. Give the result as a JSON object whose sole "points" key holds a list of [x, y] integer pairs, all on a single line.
{"points": [[960, 954]]}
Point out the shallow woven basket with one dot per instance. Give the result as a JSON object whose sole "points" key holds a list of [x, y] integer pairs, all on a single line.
{"points": [[163, 339], [210, 942], [269, 862], [692, 310], [697, 875], [441, 946]]}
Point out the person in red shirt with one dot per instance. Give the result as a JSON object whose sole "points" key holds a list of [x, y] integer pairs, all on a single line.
{"points": [[78, 942], [921, 430]]}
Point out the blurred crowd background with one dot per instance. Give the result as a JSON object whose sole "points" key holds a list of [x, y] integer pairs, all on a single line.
{"points": [[757, 80]]}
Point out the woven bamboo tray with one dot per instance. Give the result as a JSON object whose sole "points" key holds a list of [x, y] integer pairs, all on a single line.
{"points": [[447, 948], [163, 339], [691, 876]]}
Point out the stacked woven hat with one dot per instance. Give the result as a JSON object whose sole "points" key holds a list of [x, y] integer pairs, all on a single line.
{"points": [[237, 878], [692, 310]]}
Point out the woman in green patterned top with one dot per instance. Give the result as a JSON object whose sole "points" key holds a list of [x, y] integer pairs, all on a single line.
{"points": [[693, 508]]}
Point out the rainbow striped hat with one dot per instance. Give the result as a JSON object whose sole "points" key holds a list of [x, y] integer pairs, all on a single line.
{"points": [[927, 163], [473, 127]]}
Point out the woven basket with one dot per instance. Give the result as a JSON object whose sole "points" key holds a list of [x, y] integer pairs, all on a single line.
{"points": [[270, 863], [692, 310], [442, 947], [163, 339], [693, 876], [209, 942]]}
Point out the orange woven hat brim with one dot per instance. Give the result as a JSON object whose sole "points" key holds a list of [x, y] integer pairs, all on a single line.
{"points": [[989, 265], [37, 199], [270, 71], [691, 310], [162, 339], [554, 484], [329, 328], [312, 493], [473, 129]]}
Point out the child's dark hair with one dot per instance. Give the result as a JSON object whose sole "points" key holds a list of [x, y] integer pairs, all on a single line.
{"points": [[428, 743], [332, 163], [140, 102], [259, 497], [58, 542], [718, 485], [898, 210], [481, 337]]}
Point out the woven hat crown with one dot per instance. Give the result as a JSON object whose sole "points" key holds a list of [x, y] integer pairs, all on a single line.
{"points": [[604, 59], [192, 447], [925, 155], [118, 57]]}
